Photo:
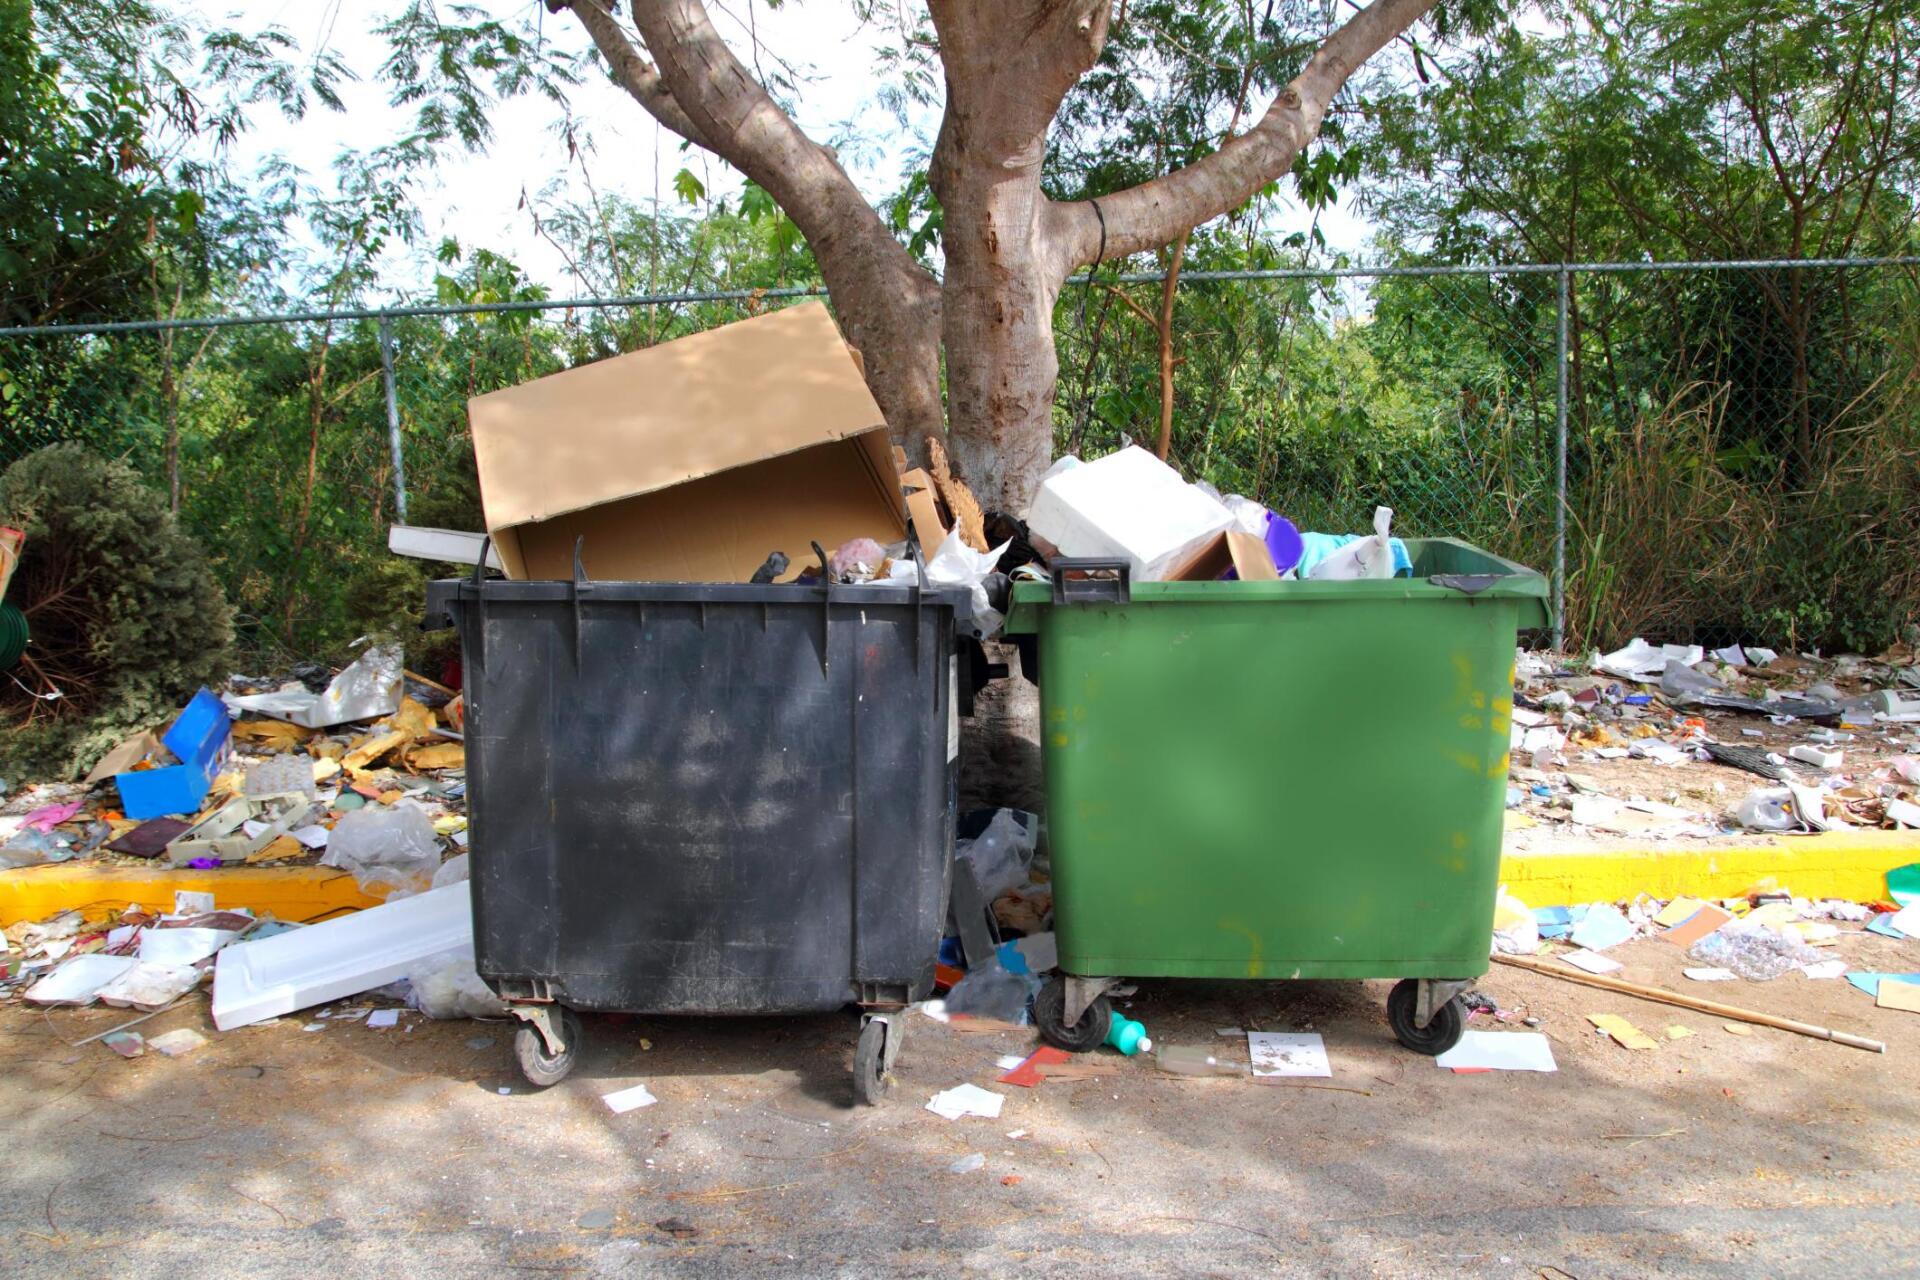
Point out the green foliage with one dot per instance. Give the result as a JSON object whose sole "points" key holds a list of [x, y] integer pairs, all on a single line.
{"points": [[127, 618]]}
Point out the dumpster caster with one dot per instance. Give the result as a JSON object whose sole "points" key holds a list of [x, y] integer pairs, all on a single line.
{"points": [[873, 1059], [1447, 1019], [534, 1048], [1084, 1034]]}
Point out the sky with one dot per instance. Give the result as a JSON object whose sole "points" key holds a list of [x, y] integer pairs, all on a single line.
{"points": [[478, 200]]}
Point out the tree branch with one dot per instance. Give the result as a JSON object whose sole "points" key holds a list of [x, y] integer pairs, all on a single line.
{"points": [[1161, 210], [631, 70]]}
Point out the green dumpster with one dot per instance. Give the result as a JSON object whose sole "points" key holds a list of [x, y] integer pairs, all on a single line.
{"points": [[1276, 779]]}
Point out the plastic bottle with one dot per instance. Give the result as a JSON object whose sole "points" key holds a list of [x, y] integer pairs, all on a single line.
{"points": [[1128, 1036], [1192, 1060]]}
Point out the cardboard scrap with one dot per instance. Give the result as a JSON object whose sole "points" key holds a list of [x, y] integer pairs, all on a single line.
{"points": [[1698, 925], [1027, 1072], [271, 733], [1896, 994], [441, 755], [1676, 911], [373, 748], [1624, 1033]]}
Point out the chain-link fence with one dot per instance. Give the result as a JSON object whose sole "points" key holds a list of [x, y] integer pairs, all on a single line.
{"points": [[1716, 450]]}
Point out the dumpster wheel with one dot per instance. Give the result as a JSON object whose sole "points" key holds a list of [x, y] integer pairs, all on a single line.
{"points": [[542, 1067], [1439, 1035], [1050, 1014], [870, 1081]]}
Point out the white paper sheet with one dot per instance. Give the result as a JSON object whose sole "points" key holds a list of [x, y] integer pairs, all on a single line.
{"points": [[966, 1100], [1712, 974], [1591, 961], [1288, 1053], [1602, 927], [622, 1101], [384, 1018], [1500, 1051]]}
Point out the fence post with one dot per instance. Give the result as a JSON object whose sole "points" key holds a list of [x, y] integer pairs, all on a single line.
{"points": [[393, 414], [1560, 474]]}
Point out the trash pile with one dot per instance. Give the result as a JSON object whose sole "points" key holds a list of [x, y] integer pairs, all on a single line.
{"points": [[360, 770], [1760, 936], [1667, 741]]}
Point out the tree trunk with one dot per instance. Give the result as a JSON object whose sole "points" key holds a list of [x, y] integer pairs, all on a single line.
{"points": [[1007, 65], [997, 325]]}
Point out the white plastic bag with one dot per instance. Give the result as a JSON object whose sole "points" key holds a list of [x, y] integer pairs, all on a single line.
{"points": [[448, 986], [1769, 809], [956, 564], [452, 871], [1000, 855], [1514, 929], [1363, 557], [391, 849]]}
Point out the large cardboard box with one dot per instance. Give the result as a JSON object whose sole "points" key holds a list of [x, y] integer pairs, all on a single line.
{"points": [[692, 460]]}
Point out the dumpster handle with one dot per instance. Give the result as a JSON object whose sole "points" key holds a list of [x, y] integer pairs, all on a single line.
{"points": [[580, 586], [826, 607], [1471, 584], [480, 605], [1074, 583], [919, 590]]}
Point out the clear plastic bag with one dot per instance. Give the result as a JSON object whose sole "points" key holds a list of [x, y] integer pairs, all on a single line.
{"points": [[448, 986], [387, 849], [1755, 952], [1769, 809], [991, 991], [1000, 856], [452, 871]]}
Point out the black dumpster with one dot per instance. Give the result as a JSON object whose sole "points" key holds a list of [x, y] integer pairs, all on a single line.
{"points": [[707, 799]]}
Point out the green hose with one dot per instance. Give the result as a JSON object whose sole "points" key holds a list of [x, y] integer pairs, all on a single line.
{"points": [[13, 635]]}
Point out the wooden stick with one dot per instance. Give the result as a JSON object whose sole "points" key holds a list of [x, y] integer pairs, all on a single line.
{"points": [[1661, 996], [431, 684]]}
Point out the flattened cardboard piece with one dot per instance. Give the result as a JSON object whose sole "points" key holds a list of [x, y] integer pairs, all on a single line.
{"points": [[125, 756], [923, 508], [1245, 554], [1251, 559], [692, 460], [1698, 925]]}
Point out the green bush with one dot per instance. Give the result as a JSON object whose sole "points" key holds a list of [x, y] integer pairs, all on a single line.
{"points": [[127, 618]]}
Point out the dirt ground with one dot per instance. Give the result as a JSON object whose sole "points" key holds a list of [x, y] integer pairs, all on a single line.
{"points": [[274, 1151]]}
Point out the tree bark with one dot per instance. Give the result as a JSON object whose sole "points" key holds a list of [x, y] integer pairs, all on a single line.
{"points": [[1008, 64]]}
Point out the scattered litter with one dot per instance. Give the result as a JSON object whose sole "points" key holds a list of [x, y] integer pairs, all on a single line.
{"points": [[1288, 1053], [1624, 1033], [177, 1042], [1679, 1033], [1712, 974], [967, 1164], [1870, 982], [622, 1101], [79, 980], [1602, 927], [128, 1044], [1499, 1051], [1883, 924], [369, 687], [1824, 969], [383, 1018], [1736, 1028], [1898, 993], [1029, 1071], [1592, 962], [1755, 952], [1705, 919], [967, 1100]]}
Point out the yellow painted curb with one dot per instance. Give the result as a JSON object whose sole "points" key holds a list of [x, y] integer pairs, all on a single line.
{"points": [[1833, 864], [289, 893]]}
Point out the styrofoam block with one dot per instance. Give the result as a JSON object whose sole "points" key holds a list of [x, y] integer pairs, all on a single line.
{"points": [[254, 981], [1128, 505]]}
